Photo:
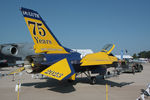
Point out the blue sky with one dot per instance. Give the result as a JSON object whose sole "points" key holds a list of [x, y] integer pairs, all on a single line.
{"points": [[82, 23]]}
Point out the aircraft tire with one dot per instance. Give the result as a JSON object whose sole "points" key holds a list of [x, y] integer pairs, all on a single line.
{"points": [[93, 80], [133, 70], [139, 68], [118, 72]]}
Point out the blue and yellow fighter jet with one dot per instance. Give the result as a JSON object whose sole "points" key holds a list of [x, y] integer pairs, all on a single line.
{"points": [[58, 62]]}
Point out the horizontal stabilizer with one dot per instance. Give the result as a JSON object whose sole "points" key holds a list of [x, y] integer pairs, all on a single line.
{"points": [[61, 70]]}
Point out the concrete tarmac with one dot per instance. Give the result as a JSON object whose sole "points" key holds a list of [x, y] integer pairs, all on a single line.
{"points": [[123, 87]]}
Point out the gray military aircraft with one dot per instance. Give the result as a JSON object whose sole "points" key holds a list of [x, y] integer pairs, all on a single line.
{"points": [[20, 50], [13, 52]]}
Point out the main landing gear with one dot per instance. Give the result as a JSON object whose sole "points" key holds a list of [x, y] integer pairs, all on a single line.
{"points": [[91, 78]]}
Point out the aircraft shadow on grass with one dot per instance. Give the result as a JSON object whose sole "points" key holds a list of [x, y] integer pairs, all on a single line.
{"points": [[66, 87]]}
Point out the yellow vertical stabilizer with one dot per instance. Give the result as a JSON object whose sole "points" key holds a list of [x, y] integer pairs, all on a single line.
{"points": [[44, 39]]}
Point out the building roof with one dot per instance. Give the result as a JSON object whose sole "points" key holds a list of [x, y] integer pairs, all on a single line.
{"points": [[124, 56]]}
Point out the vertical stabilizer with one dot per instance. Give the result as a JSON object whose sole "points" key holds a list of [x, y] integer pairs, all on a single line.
{"points": [[44, 40]]}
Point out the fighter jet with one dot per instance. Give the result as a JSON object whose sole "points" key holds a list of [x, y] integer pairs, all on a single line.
{"points": [[55, 60]]}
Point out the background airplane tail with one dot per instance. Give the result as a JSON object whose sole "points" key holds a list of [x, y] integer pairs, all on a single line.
{"points": [[43, 38]]}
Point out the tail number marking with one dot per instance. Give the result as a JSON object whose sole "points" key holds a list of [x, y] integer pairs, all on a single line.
{"points": [[54, 74]]}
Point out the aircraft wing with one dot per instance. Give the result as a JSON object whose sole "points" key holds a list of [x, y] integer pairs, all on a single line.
{"points": [[100, 58]]}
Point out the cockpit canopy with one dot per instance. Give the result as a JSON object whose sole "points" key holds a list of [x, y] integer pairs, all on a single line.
{"points": [[108, 48]]}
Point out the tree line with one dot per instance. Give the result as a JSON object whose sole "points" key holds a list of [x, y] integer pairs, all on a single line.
{"points": [[143, 54]]}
